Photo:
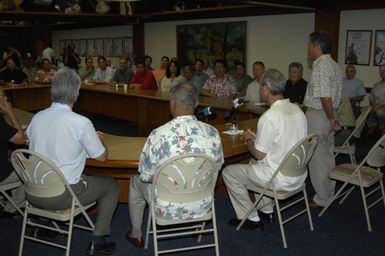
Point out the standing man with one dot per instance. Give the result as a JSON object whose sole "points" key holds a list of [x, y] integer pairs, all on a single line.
{"points": [[321, 99], [123, 74], [68, 139], [279, 129], [182, 135], [352, 87]]}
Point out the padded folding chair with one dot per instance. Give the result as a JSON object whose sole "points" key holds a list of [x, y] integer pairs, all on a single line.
{"points": [[293, 165], [43, 179], [346, 147], [180, 180], [3, 191], [362, 176]]}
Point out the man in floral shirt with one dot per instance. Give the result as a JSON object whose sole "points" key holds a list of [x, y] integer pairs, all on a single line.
{"points": [[220, 85], [182, 135]]}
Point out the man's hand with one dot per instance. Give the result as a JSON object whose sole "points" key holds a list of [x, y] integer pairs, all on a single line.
{"points": [[248, 135], [100, 134], [335, 124]]}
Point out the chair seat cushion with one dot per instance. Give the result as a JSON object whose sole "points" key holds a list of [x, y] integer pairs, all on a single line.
{"points": [[343, 172]]}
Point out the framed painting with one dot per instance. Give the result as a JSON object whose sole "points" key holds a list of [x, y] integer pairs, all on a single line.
{"points": [[91, 47], [225, 41], [379, 48], [99, 47], [358, 45], [118, 45], [83, 47], [109, 47]]}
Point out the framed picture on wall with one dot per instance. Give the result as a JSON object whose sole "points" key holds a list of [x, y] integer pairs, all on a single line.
{"points": [[118, 44], [62, 45], [226, 41], [128, 48], [358, 45], [379, 48], [109, 47], [83, 47], [90, 47], [99, 47]]}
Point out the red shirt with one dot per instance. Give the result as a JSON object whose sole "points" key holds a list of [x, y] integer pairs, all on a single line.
{"points": [[145, 79]]}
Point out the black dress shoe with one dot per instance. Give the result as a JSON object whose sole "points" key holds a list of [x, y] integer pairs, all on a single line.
{"points": [[101, 249], [138, 242], [266, 217], [248, 224]]}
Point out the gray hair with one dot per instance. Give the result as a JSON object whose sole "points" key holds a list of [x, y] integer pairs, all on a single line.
{"points": [[296, 65], [185, 95], [275, 81], [65, 86]]}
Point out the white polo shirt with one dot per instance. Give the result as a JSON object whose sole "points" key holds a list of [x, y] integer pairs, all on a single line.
{"points": [[66, 138], [279, 129]]}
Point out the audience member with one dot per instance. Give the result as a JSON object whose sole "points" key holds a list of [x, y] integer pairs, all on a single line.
{"points": [[220, 85], [353, 88], [321, 99], [12, 75], [182, 135], [10, 132], [29, 68], [123, 75], [45, 74], [70, 58], [376, 119], [252, 92], [144, 79], [68, 139], [88, 72], [279, 129], [14, 54], [242, 80], [104, 73], [48, 53], [147, 61], [206, 68], [172, 78], [199, 70], [295, 86], [160, 72], [191, 78]]}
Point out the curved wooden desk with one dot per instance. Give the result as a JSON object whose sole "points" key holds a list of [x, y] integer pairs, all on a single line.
{"points": [[124, 153]]}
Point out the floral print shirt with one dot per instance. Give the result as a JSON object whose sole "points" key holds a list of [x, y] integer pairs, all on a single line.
{"points": [[182, 135], [325, 81], [44, 76], [221, 87]]}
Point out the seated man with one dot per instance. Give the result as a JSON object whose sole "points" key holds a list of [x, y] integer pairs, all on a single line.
{"points": [[87, 73], [13, 75], [279, 129], [123, 74], [353, 88], [45, 74], [220, 85], [191, 78], [10, 131], [346, 118], [68, 139], [143, 78], [252, 92], [104, 73], [295, 86], [183, 134], [242, 79], [376, 119]]}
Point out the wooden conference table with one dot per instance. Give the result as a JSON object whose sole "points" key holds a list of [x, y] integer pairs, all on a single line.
{"points": [[124, 153], [147, 108]]}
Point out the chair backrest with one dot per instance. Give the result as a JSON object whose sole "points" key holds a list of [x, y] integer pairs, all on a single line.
{"points": [[186, 178], [376, 156], [360, 123], [296, 160], [40, 175]]}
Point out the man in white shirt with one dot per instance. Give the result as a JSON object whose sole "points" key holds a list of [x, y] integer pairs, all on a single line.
{"points": [[252, 92], [352, 87], [68, 139], [104, 73], [279, 129]]}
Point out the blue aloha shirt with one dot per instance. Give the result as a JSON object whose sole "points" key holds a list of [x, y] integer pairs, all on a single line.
{"points": [[182, 135]]}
